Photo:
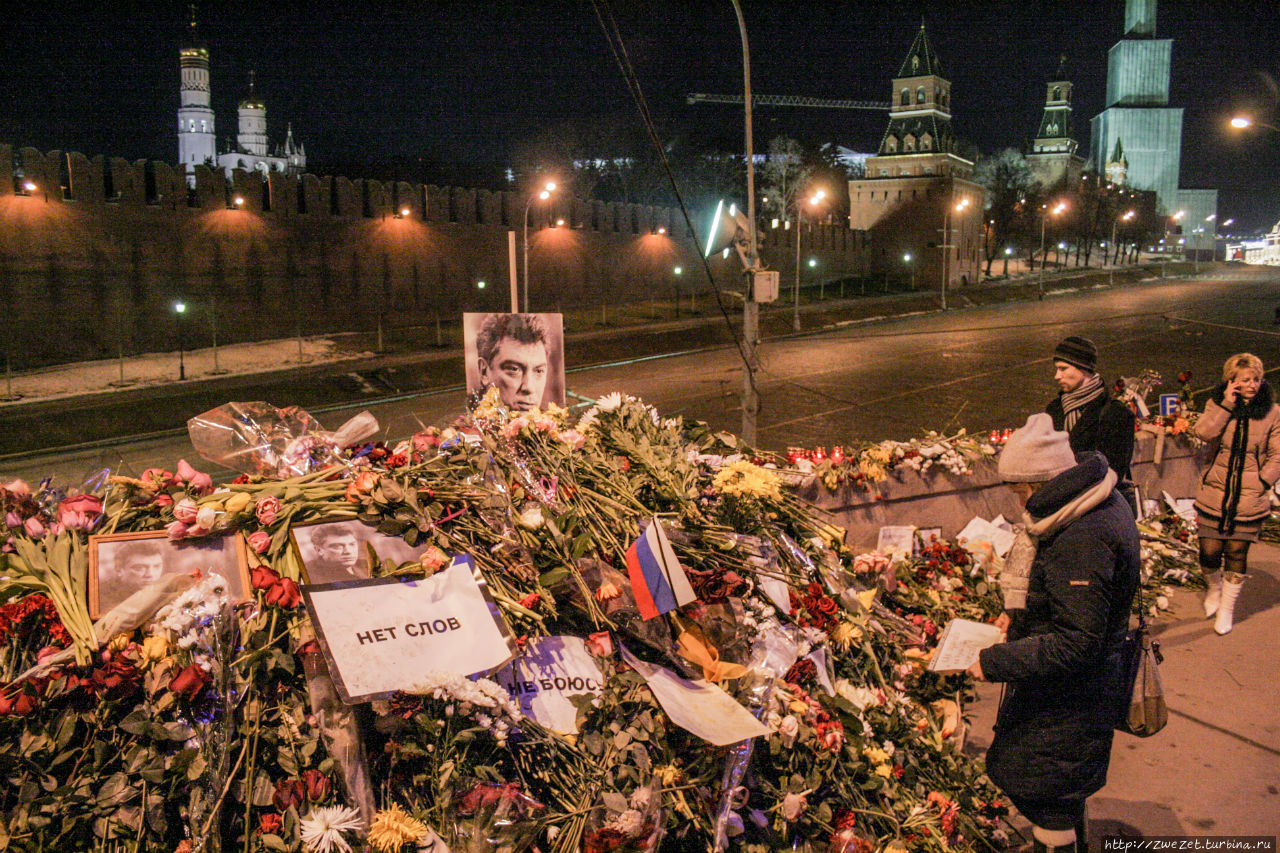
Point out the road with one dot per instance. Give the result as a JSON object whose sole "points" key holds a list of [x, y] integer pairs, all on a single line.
{"points": [[977, 368]]}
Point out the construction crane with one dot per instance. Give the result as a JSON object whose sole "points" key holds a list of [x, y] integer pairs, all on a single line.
{"points": [[787, 101]]}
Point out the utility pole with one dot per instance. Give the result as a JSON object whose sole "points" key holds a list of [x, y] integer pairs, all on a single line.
{"points": [[750, 308]]}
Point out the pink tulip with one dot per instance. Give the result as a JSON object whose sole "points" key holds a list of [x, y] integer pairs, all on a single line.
{"points": [[259, 541], [33, 527], [80, 512], [176, 530], [201, 483], [12, 519], [186, 511]]}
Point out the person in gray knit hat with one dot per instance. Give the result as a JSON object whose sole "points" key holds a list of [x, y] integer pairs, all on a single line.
{"points": [[1078, 555], [1085, 411]]}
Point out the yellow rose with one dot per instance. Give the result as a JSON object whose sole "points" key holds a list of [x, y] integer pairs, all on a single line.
{"points": [[884, 770], [155, 647], [237, 502], [118, 643]]}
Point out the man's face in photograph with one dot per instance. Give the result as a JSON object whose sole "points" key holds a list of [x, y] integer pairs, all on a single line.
{"points": [[142, 569], [341, 551], [520, 373]]}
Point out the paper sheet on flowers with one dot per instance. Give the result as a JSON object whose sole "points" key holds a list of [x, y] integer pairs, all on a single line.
{"points": [[214, 727]]}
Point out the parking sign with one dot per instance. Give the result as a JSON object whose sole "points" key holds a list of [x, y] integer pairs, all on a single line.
{"points": [[1169, 404]]}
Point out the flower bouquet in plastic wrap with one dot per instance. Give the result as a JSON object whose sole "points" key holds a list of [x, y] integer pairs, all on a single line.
{"points": [[493, 818]]}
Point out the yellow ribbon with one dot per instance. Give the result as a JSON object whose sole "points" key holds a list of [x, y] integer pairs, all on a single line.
{"points": [[695, 647]]}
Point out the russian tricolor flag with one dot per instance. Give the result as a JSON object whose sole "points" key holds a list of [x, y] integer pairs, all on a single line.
{"points": [[658, 580]]}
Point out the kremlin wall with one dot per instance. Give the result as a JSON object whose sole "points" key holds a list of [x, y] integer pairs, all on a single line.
{"points": [[93, 259]]}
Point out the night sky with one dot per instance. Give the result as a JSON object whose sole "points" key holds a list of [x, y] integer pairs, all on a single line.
{"points": [[467, 81]]}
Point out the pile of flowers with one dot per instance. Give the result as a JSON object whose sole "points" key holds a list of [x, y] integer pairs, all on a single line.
{"points": [[203, 725], [868, 465]]}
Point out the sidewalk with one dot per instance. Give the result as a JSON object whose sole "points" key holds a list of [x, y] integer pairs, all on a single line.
{"points": [[1215, 769]]}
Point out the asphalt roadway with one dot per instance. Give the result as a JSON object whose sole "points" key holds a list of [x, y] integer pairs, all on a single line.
{"points": [[1214, 771]]}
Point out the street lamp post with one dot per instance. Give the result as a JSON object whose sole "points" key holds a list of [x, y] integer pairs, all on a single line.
{"points": [[541, 196], [1044, 217], [946, 240], [750, 308], [814, 201], [906, 259], [1008, 250], [180, 308]]}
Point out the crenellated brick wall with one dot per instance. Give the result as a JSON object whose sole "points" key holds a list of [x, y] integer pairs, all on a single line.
{"points": [[92, 260]]}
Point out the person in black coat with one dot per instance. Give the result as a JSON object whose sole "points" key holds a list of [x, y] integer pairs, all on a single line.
{"points": [[1061, 661], [1084, 409]]}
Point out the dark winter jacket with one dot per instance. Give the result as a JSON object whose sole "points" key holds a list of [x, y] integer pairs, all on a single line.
{"points": [[1257, 464], [1061, 662], [1105, 425]]}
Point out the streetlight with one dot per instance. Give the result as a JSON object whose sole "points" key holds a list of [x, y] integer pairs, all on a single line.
{"points": [[814, 201], [545, 194], [946, 242], [1008, 251], [1057, 210], [1243, 122], [906, 259], [180, 308]]}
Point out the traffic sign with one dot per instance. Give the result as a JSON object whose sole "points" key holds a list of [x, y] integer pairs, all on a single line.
{"points": [[1169, 404]]}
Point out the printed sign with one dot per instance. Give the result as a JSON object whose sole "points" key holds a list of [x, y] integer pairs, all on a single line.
{"points": [[384, 635], [1169, 404], [546, 675], [698, 706]]}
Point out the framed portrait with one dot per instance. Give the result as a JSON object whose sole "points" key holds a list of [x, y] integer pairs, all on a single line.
{"points": [[521, 354], [120, 564], [333, 551]]}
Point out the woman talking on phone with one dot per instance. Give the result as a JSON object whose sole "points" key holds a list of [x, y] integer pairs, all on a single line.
{"points": [[1241, 424]]}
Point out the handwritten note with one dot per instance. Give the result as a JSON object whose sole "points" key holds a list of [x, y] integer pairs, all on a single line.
{"points": [[960, 644]]}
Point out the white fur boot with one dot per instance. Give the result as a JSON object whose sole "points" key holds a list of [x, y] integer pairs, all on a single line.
{"points": [[1231, 583], [1053, 840], [1214, 594]]}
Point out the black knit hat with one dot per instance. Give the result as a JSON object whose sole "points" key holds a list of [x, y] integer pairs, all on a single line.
{"points": [[1079, 352]]}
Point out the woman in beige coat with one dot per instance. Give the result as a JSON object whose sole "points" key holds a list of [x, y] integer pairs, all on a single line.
{"points": [[1241, 424]]}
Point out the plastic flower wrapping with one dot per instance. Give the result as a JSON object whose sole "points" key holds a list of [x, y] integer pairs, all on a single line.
{"points": [[204, 727]]}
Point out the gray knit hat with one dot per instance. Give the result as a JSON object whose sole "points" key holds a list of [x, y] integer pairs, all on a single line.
{"points": [[1078, 351], [1035, 453]]}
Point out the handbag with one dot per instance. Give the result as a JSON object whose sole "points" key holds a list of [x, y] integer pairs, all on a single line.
{"points": [[1144, 711]]}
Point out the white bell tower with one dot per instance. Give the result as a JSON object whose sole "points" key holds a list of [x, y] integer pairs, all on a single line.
{"points": [[196, 134]]}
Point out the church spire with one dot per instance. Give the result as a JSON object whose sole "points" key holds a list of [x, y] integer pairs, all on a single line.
{"points": [[920, 60], [1054, 133]]}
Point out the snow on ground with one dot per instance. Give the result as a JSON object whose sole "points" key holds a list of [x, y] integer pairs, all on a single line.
{"points": [[102, 377]]}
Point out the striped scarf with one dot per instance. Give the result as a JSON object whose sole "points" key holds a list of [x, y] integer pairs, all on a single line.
{"points": [[1074, 401]]}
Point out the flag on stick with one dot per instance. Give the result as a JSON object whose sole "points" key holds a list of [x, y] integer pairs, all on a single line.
{"points": [[658, 580]]}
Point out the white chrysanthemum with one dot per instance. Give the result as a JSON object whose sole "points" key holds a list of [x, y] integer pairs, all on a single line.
{"points": [[322, 828], [629, 823], [588, 420], [610, 402], [531, 517]]}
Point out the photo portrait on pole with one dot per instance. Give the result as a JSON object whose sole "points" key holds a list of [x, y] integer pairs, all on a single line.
{"points": [[521, 355]]}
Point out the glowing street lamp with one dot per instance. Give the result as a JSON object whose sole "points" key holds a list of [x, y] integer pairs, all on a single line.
{"points": [[1058, 209], [906, 259], [959, 207], [545, 194], [404, 212], [1243, 122], [29, 186], [180, 308], [813, 202]]}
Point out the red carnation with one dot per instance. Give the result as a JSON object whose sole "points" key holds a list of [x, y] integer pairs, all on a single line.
{"points": [[801, 671], [530, 601], [270, 823]]}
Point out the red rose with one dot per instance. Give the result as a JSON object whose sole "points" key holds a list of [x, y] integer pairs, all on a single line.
{"points": [[270, 824], [289, 792], [801, 671], [827, 605], [264, 578], [310, 647], [397, 460], [284, 593], [603, 841], [188, 683], [530, 601], [317, 785]]}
